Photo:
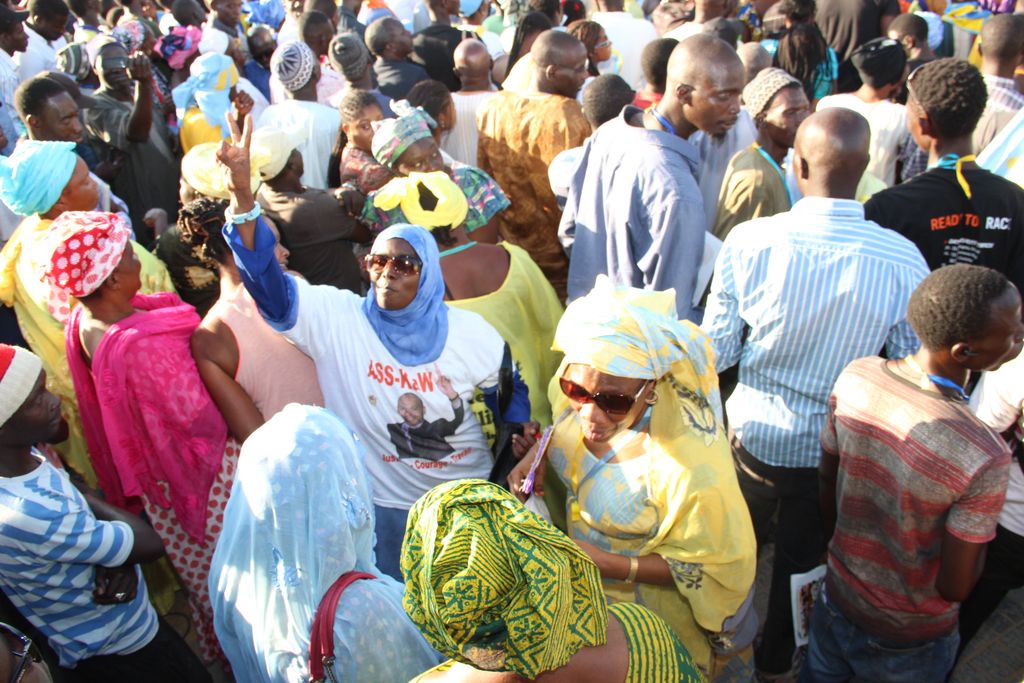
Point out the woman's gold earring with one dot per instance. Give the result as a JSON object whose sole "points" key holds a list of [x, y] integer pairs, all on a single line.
{"points": [[652, 398]]}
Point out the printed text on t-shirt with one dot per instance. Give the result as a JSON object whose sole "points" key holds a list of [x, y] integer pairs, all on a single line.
{"points": [[969, 220], [390, 375]]}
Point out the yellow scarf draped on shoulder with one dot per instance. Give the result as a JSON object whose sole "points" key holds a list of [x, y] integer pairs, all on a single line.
{"points": [[704, 530]]}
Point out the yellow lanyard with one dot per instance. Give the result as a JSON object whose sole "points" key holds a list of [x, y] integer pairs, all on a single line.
{"points": [[951, 162]]}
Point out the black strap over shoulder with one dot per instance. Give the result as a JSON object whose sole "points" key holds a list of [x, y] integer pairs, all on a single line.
{"points": [[504, 458]]}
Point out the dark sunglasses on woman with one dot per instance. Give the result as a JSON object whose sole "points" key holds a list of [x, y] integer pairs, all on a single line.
{"points": [[403, 265], [615, 405], [24, 652]]}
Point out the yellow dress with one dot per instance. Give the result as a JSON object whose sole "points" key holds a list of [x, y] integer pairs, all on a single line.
{"points": [[525, 312], [195, 129], [22, 263]]}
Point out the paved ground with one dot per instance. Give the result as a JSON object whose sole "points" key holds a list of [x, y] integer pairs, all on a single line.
{"points": [[995, 655]]}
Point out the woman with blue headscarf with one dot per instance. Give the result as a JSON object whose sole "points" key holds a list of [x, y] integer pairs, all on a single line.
{"points": [[205, 98], [301, 516], [398, 365]]}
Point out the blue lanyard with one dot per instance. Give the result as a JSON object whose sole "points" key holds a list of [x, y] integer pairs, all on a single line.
{"points": [[782, 174], [665, 123], [938, 380], [949, 384], [948, 162], [611, 454]]}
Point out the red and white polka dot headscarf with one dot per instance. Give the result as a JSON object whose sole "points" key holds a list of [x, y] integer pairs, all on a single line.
{"points": [[87, 246]]}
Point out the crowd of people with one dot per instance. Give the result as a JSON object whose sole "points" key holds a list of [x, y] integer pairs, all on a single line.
{"points": [[423, 340]]}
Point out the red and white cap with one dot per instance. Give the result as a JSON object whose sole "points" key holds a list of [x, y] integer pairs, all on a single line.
{"points": [[87, 246], [19, 370]]}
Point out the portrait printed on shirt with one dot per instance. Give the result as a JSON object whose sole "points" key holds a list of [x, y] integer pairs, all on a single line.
{"points": [[419, 433]]}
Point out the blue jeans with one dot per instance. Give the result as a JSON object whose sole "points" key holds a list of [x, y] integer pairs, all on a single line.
{"points": [[839, 650], [390, 528]]}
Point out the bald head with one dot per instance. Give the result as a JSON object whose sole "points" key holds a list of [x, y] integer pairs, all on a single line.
{"points": [[755, 59], [472, 56], [832, 151], [556, 48], [473, 64], [561, 63], [703, 86], [702, 58]]}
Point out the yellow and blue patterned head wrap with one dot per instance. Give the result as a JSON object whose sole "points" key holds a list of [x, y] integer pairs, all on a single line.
{"points": [[208, 87], [493, 585], [629, 332], [449, 211]]}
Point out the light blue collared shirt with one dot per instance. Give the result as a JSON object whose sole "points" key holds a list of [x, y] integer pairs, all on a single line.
{"points": [[814, 288], [634, 212]]}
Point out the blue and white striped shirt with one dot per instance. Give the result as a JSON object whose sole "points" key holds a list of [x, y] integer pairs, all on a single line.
{"points": [[817, 287], [50, 545]]}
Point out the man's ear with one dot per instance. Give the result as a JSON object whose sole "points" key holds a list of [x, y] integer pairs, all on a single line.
{"points": [[925, 123], [801, 167], [33, 122], [684, 93], [962, 353]]}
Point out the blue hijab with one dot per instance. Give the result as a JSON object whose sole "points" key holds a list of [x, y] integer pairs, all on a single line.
{"points": [[417, 333], [33, 178]]}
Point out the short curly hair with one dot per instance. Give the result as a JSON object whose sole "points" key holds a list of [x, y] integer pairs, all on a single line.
{"points": [[954, 304], [953, 95]]}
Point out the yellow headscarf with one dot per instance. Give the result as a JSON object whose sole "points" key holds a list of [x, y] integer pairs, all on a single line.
{"points": [[702, 527], [628, 332], [493, 585], [451, 207]]}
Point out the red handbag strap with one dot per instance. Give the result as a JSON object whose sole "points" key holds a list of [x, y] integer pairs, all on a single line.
{"points": [[321, 637]]}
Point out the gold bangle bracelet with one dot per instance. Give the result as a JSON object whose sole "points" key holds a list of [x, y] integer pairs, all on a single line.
{"points": [[634, 566]]}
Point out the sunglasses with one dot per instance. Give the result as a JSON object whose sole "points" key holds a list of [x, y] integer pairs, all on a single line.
{"points": [[402, 265], [615, 405], [25, 653]]}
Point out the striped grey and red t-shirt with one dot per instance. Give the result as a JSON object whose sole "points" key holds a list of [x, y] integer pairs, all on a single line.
{"points": [[912, 465]]}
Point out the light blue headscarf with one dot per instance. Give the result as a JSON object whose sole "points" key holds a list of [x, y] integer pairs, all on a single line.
{"points": [[208, 87], [34, 176], [417, 333], [301, 515]]}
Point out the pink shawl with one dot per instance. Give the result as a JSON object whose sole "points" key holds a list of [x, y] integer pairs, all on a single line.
{"points": [[151, 426]]}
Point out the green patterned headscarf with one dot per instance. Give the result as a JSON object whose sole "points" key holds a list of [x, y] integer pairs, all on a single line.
{"points": [[493, 585]]}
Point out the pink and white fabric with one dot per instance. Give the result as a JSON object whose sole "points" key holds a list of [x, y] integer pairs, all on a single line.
{"points": [[87, 246], [152, 428]]}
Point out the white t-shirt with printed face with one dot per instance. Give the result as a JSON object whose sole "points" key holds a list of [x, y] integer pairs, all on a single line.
{"points": [[415, 436]]}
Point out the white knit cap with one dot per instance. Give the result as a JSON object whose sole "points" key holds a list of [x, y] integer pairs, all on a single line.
{"points": [[19, 370]]}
